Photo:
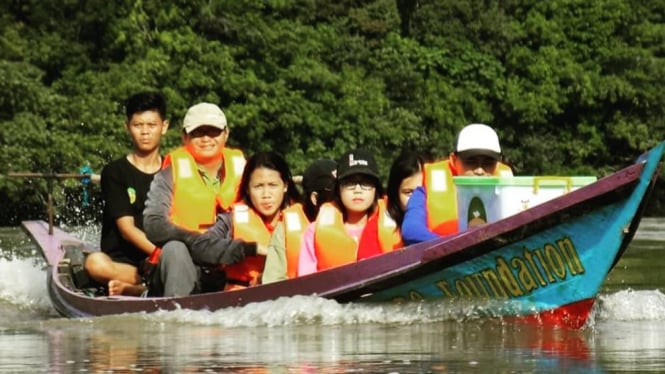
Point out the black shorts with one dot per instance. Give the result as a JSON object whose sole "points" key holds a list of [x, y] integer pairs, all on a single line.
{"points": [[122, 258]]}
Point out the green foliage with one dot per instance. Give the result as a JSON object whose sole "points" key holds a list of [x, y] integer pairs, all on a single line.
{"points": [[573, 87]]}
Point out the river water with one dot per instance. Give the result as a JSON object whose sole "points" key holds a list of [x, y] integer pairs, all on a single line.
{"points": [[312, 335]]}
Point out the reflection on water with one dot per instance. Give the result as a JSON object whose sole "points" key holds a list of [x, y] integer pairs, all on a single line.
{"points": [[631, 346], [640, 266], [134, 343], [312, 335]]}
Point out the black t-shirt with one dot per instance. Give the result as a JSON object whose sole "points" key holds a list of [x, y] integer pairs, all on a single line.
{"points": [[124, 189]]}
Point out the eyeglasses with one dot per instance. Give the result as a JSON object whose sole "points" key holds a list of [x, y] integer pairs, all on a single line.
{"points": [[202, 131], [479, 162], [365, 185]]}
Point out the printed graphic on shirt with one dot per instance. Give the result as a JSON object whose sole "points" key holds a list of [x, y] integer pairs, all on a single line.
{"points": [[132, 195]]}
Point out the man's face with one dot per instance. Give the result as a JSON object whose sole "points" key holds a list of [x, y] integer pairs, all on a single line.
{"points": [[475, 165], [207, 142], [146, 129]]}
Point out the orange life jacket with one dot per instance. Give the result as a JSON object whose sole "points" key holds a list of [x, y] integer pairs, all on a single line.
{"points": [[295, 223], [248, 226], [194, 205], [335, 247], [389, 234], [442, 215]]}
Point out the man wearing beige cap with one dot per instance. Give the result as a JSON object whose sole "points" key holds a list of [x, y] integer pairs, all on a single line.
{"points": [[199, 180], [432, 208]]}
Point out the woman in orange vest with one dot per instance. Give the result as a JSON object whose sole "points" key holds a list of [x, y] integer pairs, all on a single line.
{"points": [[267, 214], [432, 208], [355, 225], [318, 181]]}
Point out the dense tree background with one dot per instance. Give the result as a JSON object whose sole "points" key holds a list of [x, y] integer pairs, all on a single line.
{"points": [[573, 87]]}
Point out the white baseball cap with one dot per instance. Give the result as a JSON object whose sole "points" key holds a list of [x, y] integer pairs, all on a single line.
{"points": [[478, 140], [204, 114]]}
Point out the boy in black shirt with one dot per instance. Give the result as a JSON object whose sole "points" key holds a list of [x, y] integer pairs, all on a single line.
{"points": [[125, 183]]}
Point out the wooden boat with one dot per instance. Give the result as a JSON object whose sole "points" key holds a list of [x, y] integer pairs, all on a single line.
{"points": [[545, 264]]}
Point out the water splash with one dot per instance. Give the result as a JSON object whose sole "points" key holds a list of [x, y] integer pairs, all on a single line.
{"points": [[630, 305], [23, 284], [315, 311]]}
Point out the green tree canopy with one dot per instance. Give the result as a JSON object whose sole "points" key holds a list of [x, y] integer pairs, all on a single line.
{"points": [[573, 87]]}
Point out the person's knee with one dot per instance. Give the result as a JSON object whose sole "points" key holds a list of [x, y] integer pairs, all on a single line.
{"points": [[95, 263], [177, 272], [175, 252]]}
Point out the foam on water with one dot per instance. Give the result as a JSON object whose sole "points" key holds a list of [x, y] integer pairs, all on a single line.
{"points": [[306, 310], [630, 305], [311, 310], [23, 282], [23, 285]]}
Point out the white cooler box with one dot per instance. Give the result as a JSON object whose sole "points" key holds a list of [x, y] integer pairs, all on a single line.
{"points": [[483, 200]]}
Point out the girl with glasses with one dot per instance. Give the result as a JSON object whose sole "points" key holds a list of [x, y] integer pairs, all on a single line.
{"points": [[355, 225]]}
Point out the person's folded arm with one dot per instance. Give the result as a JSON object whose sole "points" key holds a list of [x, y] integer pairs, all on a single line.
{"points": [[216, 246], [157, 223], [414, 226]]}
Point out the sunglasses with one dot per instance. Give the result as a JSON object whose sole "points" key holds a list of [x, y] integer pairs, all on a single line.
{"points": [[209, 131], [350, 184]]}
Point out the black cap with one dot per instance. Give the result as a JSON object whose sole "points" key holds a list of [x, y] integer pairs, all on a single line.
{"points": [[319, 175], [358, 161]]}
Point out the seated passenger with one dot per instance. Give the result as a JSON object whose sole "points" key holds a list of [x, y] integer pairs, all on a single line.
{"points": [[268, 213], [355, 225], [318, 181], [198, 181], [432, 209], [406, 174], [125, 183]]}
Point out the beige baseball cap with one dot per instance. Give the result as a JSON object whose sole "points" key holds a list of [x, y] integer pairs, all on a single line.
{"points": [[204, 114]]}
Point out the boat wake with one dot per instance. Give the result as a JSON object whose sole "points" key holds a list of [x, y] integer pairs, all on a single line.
{"points": [[23, 296], [651, 229], [631, 305], [312, 310], [23, 293]]}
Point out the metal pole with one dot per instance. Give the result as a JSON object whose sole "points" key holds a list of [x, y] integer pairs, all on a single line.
{"points": [[49, 206]]}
